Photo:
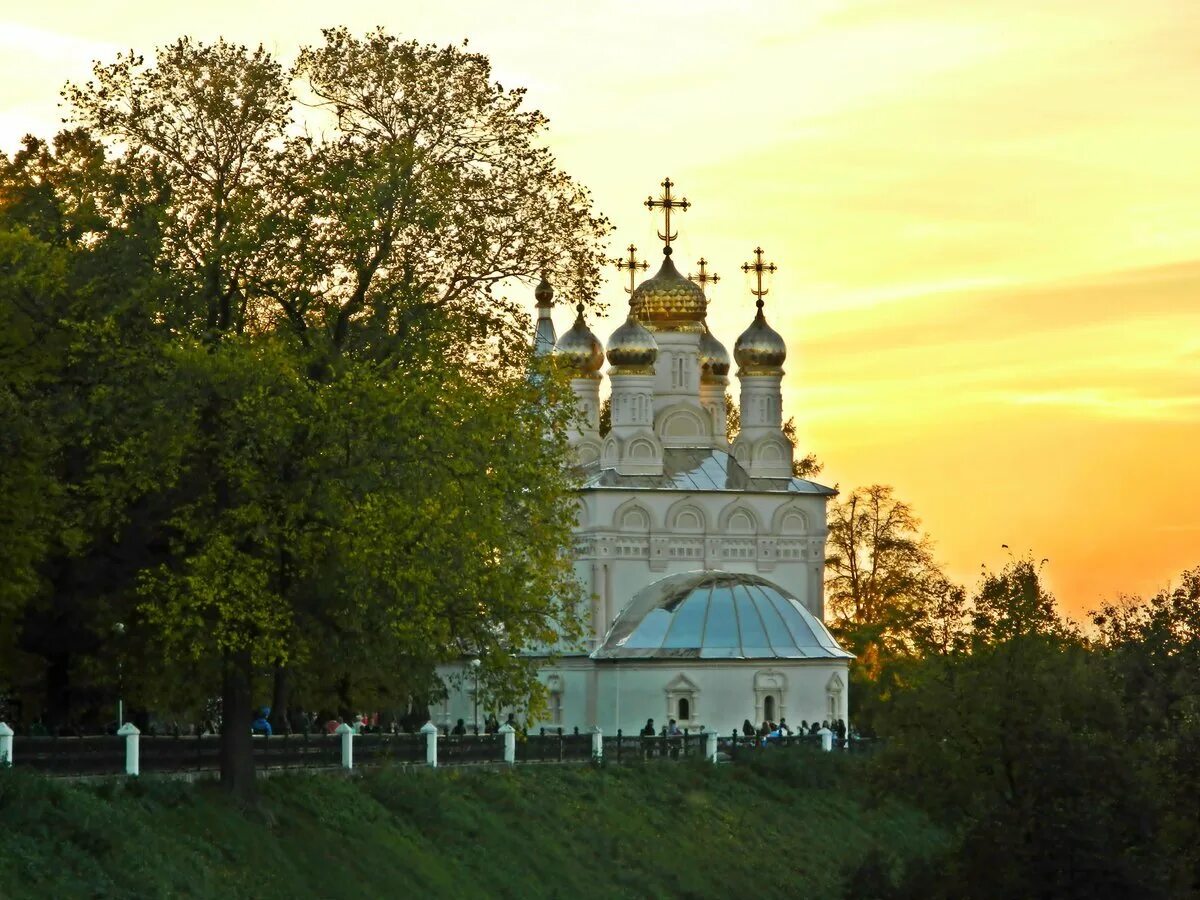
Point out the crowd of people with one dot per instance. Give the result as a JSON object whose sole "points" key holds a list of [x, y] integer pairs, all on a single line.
{"points": [[771, 731]]}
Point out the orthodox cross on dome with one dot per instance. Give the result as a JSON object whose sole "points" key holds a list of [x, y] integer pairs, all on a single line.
{"points": [[666, 202], [703, 278], [758, 267], [633, 264]]}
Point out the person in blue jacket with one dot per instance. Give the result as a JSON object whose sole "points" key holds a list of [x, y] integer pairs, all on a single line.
{"points": [[260, 725]]}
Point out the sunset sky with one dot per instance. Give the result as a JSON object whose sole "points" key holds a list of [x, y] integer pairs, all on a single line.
{"points": [[986, 216]]}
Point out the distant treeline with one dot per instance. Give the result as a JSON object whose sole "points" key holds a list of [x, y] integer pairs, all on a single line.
{"points": [[1064, 760]]}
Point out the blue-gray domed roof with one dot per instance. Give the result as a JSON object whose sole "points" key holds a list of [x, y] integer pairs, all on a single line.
{"points": [[717, 615]]}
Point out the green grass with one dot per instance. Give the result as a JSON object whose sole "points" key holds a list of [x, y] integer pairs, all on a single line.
{"points": [[778, 827]]}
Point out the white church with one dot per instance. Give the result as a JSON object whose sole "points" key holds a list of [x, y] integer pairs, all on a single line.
{"points": [[702, 562]]}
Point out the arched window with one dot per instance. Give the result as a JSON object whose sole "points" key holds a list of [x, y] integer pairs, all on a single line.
{"points": [[770, 695], [682, 694], [554, 699], [833, 695]]}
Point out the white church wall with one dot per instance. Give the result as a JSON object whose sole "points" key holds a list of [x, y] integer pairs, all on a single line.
{"points": [[623, 695], [633, 538], [725, 693]]}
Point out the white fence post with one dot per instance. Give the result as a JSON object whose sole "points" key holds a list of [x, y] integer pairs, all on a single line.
{"points": [[431, 734], [710, 745], [347, 734], [597, 743], [510, 743], [6, 742], [131, 734], [826, 739]]}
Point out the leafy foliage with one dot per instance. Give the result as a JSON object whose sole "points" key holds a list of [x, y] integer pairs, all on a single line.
{"points": [[881, 580], [291, 431], [1030, 741]]}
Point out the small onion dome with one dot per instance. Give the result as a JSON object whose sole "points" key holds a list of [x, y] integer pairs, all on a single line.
{"points": [[544, 293], [632, 347], [760, 348], [669, 302], [578, 349], [714, 358]]}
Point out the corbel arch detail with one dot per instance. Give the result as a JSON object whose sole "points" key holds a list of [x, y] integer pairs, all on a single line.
{"points": [[611, 452], [687, 516], [738, 518], [633, 515], [791, 519], [773, 448], [588, 451], [682, 424]]}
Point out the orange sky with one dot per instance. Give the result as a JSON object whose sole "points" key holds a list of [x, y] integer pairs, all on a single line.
{"points": [[986, 214]]}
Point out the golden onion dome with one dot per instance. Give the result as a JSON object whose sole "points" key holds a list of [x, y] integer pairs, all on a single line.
{"points": [[578, 349], [760, 350], [667, 301], [714, 358], [632, 347]]}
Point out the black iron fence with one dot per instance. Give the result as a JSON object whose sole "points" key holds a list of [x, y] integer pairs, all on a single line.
{"points": [[554, 746], [384, 749], [624, 748], [107, 754], [89, 755], [458, 750]]}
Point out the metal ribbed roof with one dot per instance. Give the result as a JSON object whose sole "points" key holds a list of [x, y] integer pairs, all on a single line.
{"points": [[717, 615], [700, 469]]}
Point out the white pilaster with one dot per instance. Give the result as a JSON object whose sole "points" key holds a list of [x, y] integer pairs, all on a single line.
{"points": [[587, 400], [712, 400]]}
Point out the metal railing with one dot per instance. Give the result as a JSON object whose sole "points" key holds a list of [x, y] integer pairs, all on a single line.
{"points": [[133, 752]]}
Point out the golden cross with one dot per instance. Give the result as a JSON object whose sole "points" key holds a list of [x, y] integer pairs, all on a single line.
{"points": [[667, 203], [633, 264], [703, 278], [758, 267]]}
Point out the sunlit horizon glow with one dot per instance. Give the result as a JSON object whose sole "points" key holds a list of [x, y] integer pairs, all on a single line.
{"points": [[986, 217]]}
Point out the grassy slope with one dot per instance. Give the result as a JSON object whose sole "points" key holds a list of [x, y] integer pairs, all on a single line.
{"points": [[775, 829]]}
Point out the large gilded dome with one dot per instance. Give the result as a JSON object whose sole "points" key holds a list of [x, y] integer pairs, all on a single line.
{"points": [[632, 348], [760, 349], [667, 301], [578, 349]]}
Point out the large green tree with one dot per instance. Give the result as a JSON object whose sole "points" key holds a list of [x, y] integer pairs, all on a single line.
{"points": [[331, 462]]}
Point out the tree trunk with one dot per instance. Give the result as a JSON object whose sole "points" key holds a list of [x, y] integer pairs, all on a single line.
{"points": [[237, 748], [58, 691], [343, 694], [280, 723]]}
